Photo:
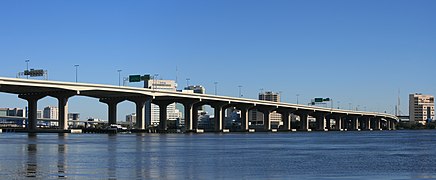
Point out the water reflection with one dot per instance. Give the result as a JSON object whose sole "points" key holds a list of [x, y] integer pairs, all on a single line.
{"points": [[31, 164], [112, 156], [62, 150]]}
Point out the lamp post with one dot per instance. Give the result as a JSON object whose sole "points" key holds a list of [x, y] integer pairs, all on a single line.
{"points": [[27, 68], [76, 66], [297, 97], [240, 93], [215, 83], [119, 77]]}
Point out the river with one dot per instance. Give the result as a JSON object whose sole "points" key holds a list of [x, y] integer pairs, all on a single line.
{"points": [[296, 155]]}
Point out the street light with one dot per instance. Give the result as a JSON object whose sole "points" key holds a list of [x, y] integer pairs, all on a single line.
{"points": [[215, 83], [76, 66], [27, 68], [339, 104], [240, 94], [297, 97], [119, 77], [153, 86]]}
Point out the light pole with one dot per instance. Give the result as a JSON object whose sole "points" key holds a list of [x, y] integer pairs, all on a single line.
{"points": [[119, 77], [215, 83], [76, 66], [297, 97], [240, 93], [339, 104], [27, 68]]}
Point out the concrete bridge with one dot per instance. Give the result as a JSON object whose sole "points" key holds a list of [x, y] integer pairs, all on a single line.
{"points": [[34, 90]]}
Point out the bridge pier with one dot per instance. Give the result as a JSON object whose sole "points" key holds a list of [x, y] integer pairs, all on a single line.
{"points": [[339, 123], [112, 108], [32, 110], [140, 110], [244, 118], [63, 112], [218, 117], [304, 122], [286, 118], [320, 121]]}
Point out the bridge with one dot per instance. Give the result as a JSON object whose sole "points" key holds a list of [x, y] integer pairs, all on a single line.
{"points": [[34, 90]]}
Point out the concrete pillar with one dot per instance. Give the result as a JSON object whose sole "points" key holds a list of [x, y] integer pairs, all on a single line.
{"points": [[320, 120], [355, 120], [140, 114], [267, 120], [32, 111], [345, 122], [218, 117], [368, 123], [112, 108], [63, 112], [286, 118], [377, 124], [328, 123], [189, 113], [338, 123], [304, 122], [163, 117], [195, 117], [362, 123], [244, 119]]}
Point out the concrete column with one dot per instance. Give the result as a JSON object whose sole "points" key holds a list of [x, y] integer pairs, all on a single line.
{"points": [[195, 117], [32, 111], [368, 123], [345, 123], [320, 120], [140, 115], [218, 117], [355, 120], [338, 123], [189, 113], [244, 119], [362, 123], [112, 108], [377, 124], [304, 122], [286, 118], [163, 117], [328, 123], [267, 120], [63, 112]]}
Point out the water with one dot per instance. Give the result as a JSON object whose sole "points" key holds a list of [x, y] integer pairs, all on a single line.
{"points": [[314, 155]]}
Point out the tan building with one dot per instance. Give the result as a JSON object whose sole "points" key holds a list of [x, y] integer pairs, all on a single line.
{"points": [[152, 112], [421, 108], [256, 118]]}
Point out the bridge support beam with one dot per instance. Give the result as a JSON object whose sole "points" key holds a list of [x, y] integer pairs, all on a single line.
{"points": [[304, 122], [355, 123], [112, 108], [32, 110], [244, 119], [286, 118], [368, 123], [320, 121], [63, 112], [140, 110], [339, 123]]}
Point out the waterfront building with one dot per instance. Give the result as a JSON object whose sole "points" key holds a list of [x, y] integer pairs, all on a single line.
{"points": [[152, 112], [256, 117], [73, 117], [421, 108], [15, 112], [50, 112], [131, 118], [38, 114]]}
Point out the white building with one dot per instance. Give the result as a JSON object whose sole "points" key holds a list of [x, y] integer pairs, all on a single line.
{"points": [[256, 118], [50, 112], [421, 108], [152, 112], [131, 118]]}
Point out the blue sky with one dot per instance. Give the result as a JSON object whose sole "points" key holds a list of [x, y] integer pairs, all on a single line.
{"points": [[360, 52]]}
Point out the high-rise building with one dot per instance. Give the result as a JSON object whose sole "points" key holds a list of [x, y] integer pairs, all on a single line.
{"points": [[152, 112], [50, 112], [131, 118], [421, 108], [256, 118], [196, 89]]}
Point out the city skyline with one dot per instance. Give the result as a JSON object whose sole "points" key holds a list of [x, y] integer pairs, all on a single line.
{"points": [[359, 53]]}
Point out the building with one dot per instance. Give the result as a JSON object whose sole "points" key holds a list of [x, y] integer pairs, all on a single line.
{"points": [[15, 112], [152, 112], [73, 117], [421, 108], [50, 112], [196, 89], [131, 118], [256, 118]]}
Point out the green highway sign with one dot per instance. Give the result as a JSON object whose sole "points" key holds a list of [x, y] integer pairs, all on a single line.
{"points": [[135, 78], [318, 99], [145, 77]]}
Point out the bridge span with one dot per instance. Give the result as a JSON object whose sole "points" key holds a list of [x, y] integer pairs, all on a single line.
{"points": [[34, 90]]}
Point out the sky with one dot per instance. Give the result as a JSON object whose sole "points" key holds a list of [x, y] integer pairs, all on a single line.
{"points": [[361, 53]]}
